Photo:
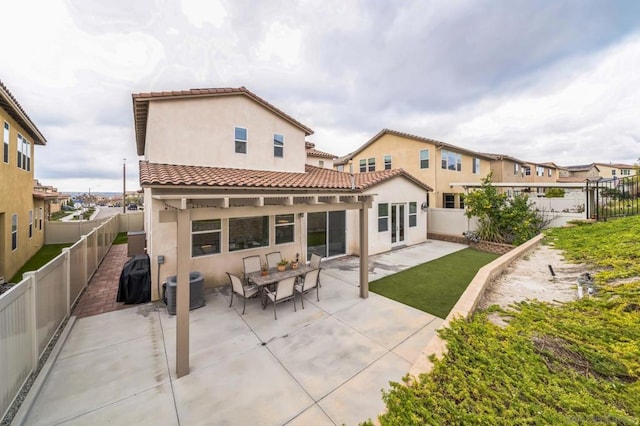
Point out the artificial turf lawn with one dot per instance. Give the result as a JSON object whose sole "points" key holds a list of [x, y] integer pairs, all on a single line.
{"points": [[434, 287]]}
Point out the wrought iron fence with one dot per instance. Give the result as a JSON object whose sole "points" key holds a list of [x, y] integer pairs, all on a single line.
{"points": [[616, 197]]}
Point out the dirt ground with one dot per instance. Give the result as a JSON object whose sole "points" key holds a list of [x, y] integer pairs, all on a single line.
{"points": [[530, 278]]}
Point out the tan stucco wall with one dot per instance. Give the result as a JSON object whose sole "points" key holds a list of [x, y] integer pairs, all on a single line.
{"points": [[327, 163], [16, 197], [405, 154], [201, 132]]}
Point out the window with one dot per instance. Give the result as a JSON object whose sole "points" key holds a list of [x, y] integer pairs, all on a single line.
{"points": [[363, 166], [24, 153], [449, 201], [383, 217], [205, 237], [476, 166], [424, 158], [30, 223], [387, 162], [625, 172], [14, 231], [284, 228], [549, 172], [5, 138], [372, 164], [278, 145], [451, 161], [248, 232], [19, 151], [340, 168], [241, 140], [462, 201], [613, 172], [516, 168], [27, 148], [539, 171], [413, 214], [320, 163], [40, 216], [527, 171]]}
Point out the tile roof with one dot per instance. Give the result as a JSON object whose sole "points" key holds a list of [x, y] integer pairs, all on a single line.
{"points": [[381, 133], [9, 103], [141, 107], [313, 178], [312, 152]]}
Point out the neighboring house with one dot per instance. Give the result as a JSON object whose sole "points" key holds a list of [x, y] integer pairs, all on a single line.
{"points": [[434, 163], [21, 210], [224, 177], [580, 173], [507, 169], [319, 158], [51, 197], [613, 170]]}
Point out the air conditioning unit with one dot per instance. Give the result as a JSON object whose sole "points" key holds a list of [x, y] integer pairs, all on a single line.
{"points": [[196, 300]]}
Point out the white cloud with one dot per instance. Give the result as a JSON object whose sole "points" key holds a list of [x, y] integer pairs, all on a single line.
{"points": [[199, 12]]}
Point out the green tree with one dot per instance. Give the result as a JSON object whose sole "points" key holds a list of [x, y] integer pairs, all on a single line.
{"points": [[502, 219], [555, 193]]}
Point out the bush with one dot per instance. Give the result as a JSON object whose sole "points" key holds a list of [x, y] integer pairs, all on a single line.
{"points": [[502, 219]]}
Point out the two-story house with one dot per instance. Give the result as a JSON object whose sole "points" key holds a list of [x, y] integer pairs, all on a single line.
{"points": [[21, 210], [435, 163], [318, 158], [224, 176], [616, 170]]}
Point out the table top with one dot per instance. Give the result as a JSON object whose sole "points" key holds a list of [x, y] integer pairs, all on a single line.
{"points": [[274, 275]]}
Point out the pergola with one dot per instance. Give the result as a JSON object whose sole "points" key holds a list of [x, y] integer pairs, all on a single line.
{"points": [[180, 203]]}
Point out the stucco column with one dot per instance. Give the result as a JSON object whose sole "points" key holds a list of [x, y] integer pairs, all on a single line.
{"points": [[182, 293], [364, 251]]}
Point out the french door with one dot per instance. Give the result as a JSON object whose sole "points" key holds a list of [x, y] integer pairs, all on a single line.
{"points": [[397, 224]]}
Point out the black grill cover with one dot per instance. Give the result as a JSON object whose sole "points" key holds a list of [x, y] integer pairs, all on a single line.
{"points": [[135, 280]]}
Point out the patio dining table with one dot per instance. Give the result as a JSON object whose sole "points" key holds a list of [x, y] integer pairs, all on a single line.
{"points": [[273, 275]]}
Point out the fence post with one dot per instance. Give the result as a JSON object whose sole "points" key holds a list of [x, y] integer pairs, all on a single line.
{"points": [[33, 318], [66, 252]]}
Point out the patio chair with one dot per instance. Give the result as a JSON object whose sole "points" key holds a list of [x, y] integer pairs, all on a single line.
{"points": [[251, 264], [244, 291], [309, 282], [273, 259], [284, 291], [315, 263]]}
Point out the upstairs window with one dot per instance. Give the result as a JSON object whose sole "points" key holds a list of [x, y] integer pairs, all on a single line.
{"points": [[527, 171], [14, 231], [6, 142], [625, 172], [24, 153], [516, 168], [340, 168], [363, 166], [424, 158], [451, 161], [613, 172], [278, 145], [321, 163], [19, 151], [387, 162], [241, 140], [30, 223], [539, 171], [476, 166], [372, 164], [549, 172]]}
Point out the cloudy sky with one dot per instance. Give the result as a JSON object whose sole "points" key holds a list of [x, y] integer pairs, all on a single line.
{"points": [[540, 80]]}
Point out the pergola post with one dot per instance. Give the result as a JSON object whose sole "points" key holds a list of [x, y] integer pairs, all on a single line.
{"points": [[182, 293], [364, 251]]}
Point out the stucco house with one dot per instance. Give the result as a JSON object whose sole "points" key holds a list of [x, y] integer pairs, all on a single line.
{"points": [[507, 169], [318, 158], [224, 176], [21, 207], [434, 163]]}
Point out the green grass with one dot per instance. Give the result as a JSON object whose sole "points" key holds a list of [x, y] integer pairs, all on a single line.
{"points": [[41, 258], [121, 238], [435, 286], [570, 364]]}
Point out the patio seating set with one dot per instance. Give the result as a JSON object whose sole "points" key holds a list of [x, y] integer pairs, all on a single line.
{"points": [[273, 284]]}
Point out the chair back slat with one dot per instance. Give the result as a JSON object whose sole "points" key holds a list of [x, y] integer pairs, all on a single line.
{"points": [[273, 259], [251, 264], [236, 283], [315, 260], [284, 288], [311, 279]]}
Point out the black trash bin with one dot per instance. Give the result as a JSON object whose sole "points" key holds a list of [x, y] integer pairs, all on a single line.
{"points": [[135, 281], [196, 299]]}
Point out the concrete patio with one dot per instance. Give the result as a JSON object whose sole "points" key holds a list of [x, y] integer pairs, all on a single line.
{"points": [[325, 364]]}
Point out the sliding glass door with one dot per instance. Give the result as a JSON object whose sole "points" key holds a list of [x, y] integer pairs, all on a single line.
{"points": [[326, 233]]}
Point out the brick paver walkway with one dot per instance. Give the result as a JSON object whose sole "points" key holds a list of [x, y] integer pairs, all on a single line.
{"points": [[100, 295]]}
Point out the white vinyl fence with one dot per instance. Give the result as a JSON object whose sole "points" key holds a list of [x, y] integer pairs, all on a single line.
{"points": [[32, 310]]}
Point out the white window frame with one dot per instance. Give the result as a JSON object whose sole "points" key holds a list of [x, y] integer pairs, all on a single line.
{"points": [[19, 151], [613, 172], [540, 171], [625, 172], [40, 217], [453, 200], [413, 214], [214, 231], [14, 232], [387, 162], [382, 218], [30, 224], [321, 163], [475, 165], [451, 160], [278, 145], [363, 165], [371, 164], [516, 169], [280, 223], [5, 137], [426, 158], [237, 140]]}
